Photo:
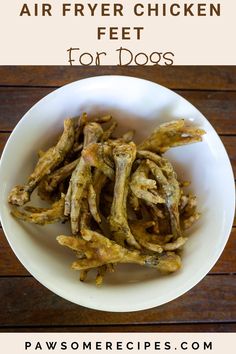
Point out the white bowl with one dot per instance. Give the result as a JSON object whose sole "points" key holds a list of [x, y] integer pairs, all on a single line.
{"points": [[135, 104]]}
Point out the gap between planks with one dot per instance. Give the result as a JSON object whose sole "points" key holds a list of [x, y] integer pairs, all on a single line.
{"points": [[122, 327], [179, 89], [192, 77]]}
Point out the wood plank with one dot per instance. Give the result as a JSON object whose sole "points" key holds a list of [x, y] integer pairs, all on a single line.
{"points": [[219, 107], [3, 140], [167, 328], [230, 146], [10, 266], [226, 263], [9, 263], [15, 102], [23, 302], [175, 77], [228, 141]]}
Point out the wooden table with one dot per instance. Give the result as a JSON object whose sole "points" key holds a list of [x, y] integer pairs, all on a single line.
{"points": [[25, 305]]}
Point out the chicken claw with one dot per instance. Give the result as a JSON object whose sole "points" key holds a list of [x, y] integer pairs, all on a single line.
{"points": [[99, 250], [94, 156], [42, 216], [20, 195], [171, 134], [143, 187], [171, 191], [80, 178], [144, 238], [124, 156], [50, 182], [92, 133]]}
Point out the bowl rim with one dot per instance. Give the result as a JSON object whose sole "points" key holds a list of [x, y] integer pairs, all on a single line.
{"points": [[131, 307]]}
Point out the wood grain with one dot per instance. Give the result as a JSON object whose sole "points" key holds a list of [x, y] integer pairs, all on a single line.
{"points": [[27, 306], [10, 266], [23, 302], [219, 107], [168, 328], [176, 77], [15, 102], [230, 146], [3, 140], [226, 263]]}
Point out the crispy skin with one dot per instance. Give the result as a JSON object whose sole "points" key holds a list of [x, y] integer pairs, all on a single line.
{"points": [[133, 201], [144, 238], [112, 141], [92, 133], [171, 192], [85, 219], [68, 199], [144, 187], [188, 222], [78, 183], [94, 192], [99, 250], [125, 138], [20, 195], [103, 119], [189, 214], [190, 206], [101, 271], [44, 194], [163, 163], [128, 136], [94, 156], [80, 178], [99, 181], [124, 156], [178, 243], [92, 200], [107, 133], [168, 262], [85, 224], [50, 182], [155, 211], [167, 178], [82, 121], [183, 201], [32, 209], [153, 242], [171, 134], [145, 154], [133, 197], [77, 146], [157, 215], [42, 216]]}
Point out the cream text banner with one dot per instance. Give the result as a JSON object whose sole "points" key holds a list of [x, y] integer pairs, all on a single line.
{"points": [[118, 32], [114, 343]]}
